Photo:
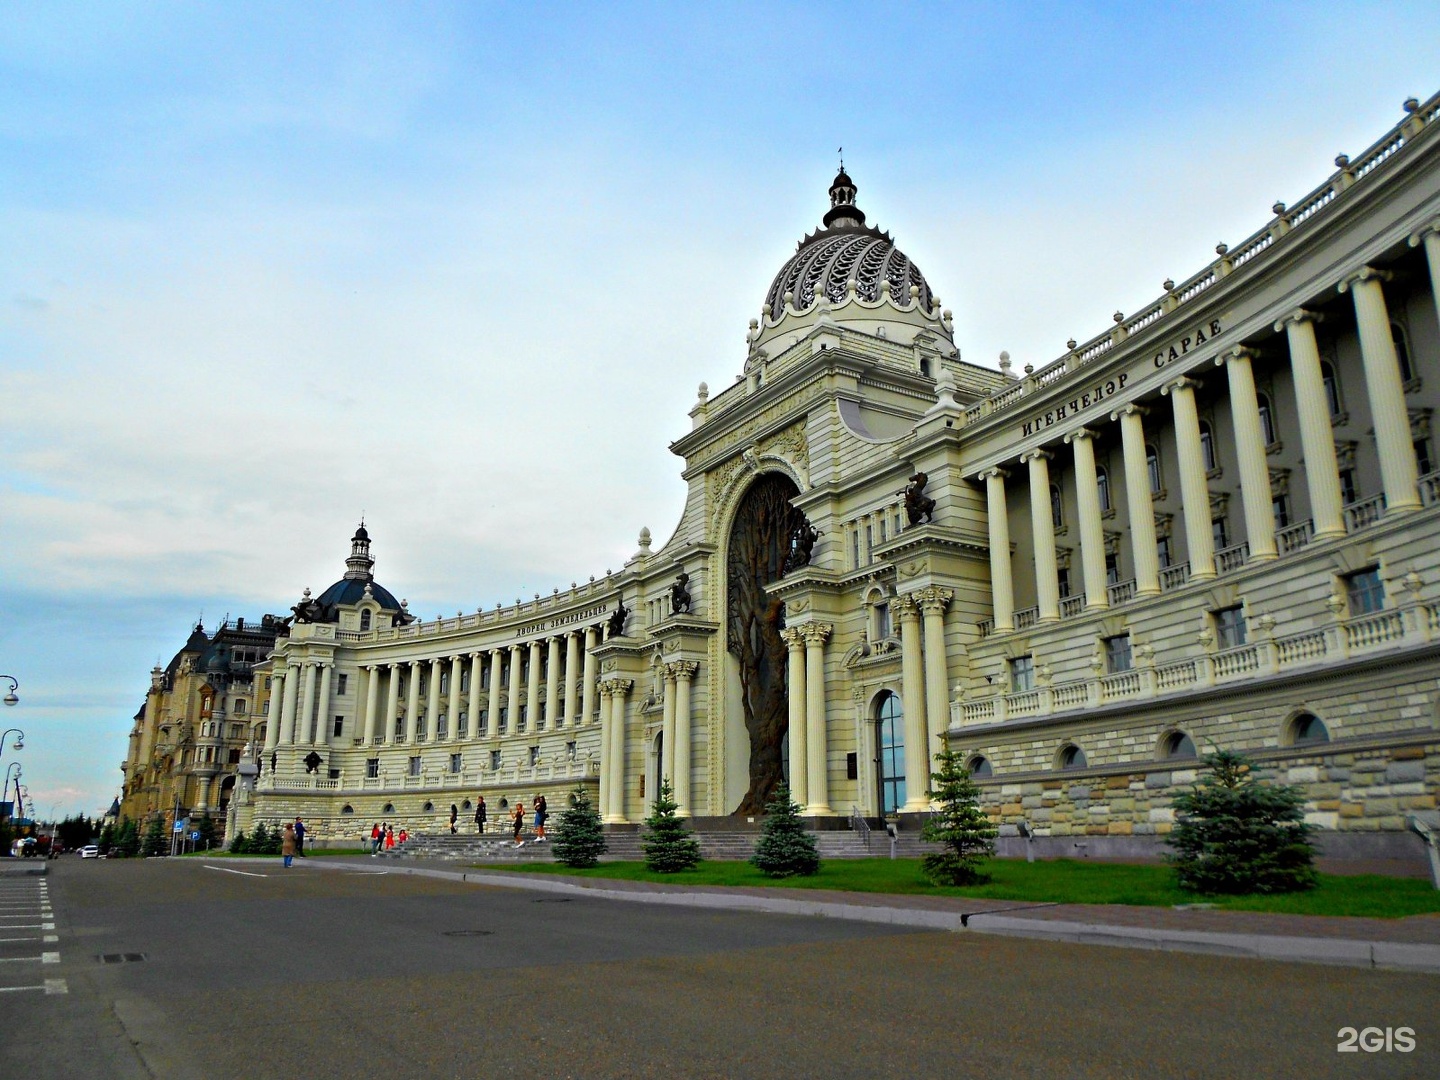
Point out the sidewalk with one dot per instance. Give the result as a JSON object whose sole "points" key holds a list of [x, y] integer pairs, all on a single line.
{"points": [[1410, 944]]}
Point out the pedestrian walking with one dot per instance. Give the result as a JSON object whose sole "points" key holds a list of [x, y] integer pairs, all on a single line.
{"points": [[541, 813], [287, 844], [518, 821], [299, 838], [389, 836], [404, 834], [454, 817], [480, 814], [375, 837]]}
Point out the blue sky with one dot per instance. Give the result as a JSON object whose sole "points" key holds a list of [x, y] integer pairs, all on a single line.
{"points": [[461, 267]]}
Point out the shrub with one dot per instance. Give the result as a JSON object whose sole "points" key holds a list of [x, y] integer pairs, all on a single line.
{"points": [[959, 825], [1235, 834], [240, 843], [107, 838], [127, 841], [579, 838], [208, 833], [785, 848], [155, 842], [259, 843], [669, 845]]}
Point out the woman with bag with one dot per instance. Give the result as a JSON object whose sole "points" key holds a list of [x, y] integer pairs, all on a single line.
{"points": [[518, 820], [287, 844]]}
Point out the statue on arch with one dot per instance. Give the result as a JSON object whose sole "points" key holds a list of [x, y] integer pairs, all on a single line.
{"points": [[917, 503], [802, 546], [618, 617], [679, 595], [313, 761]]}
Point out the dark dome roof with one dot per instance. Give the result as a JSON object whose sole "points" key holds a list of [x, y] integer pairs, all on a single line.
{"points": [[829, 258], [352, 591]]}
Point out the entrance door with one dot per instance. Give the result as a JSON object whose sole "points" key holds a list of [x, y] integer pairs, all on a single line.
{"points": [[891, 742]]}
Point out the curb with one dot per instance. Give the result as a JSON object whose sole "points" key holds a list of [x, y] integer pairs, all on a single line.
{"points": [[1340, 952]]}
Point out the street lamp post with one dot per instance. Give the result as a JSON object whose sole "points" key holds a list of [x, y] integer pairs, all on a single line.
{"points": [[15, 767], [12, 698]]}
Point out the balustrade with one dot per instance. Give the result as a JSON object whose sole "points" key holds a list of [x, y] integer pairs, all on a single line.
{"points": [[1241, 660], [1024, 703], [1232, 558], [1376, 629], [1122, 684], [1028, 617], [1122, 592], [1172, 577], [1365, 512], [1295, 537], [1072, 606], [1171, 676], [1430, 488]]}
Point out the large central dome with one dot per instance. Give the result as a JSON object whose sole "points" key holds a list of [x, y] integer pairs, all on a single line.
{"points": [[856, 273]]}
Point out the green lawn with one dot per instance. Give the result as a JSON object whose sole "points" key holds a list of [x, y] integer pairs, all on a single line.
{"points": [[1063, 881]]}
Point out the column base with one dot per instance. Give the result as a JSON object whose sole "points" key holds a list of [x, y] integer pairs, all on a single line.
{"points": [[1402, 508], [816, 810], [614, 819]]}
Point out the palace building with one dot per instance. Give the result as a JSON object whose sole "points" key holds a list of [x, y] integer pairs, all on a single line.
{"points": [[1216, 525]]}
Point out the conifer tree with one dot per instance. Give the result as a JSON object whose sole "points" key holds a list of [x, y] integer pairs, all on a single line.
{"points": [[785, 849], [154, 843], [239, 843], [1235, 834], [127, 841], [207, 831], [959, 825], [107, 839], [669, 845], [579, 837], [259, 842]]}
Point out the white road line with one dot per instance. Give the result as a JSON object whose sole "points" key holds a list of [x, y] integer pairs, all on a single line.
{"points": [[30, 926], [227, 870], [43, 958], [45, 987], [50, 957], [12, 940], [56, 986]]}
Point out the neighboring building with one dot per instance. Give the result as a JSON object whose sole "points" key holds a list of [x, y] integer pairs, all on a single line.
{"points": [[1213, 526], [203, 709]]}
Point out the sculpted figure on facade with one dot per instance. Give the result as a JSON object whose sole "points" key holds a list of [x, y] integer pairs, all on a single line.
{"points": [[679, 595], [618, 617], [917, 504]]}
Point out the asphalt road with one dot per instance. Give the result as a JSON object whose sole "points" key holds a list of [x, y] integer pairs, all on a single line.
{"points": [[316, 974]]}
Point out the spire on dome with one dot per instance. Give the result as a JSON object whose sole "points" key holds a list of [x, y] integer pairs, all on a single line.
{"points": [[360, 566], [843, 210]]}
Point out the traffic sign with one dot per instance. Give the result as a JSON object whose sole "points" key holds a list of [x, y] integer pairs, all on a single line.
{"points": [[194, 836]]}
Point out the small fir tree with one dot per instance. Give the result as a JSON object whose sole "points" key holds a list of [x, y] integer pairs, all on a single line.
{"points": [[208, 833], [669, 845], [579, 837], [127, 841], [1235, 834], [154, 843], [259, 843], [785, 848], [959, 826], [239, 843], [107, 839]]}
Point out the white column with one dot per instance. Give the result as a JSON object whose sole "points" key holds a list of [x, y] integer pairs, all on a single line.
{"points": [[473, 702], [587, 684], [497, 670], [532, 687], [684, 673], [1087, 506], [1317, 437], [392, 702], [552, 684], [1194, 492], [304, 722], [512, 694], [372, 703], [616, 764], [817, 744], [1255, 493], [795, 706], [572, 676], [1002, 588], [277, 709], [1430, 238], [1137, 500], [289, 707], [322, 719], [667, 729], [933, 601], [432, 699], [412, 703], [1042, 531], [1386, 391], [912, 688]]}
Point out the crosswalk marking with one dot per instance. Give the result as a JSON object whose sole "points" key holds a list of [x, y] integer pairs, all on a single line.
{"points": [[26, 905]]}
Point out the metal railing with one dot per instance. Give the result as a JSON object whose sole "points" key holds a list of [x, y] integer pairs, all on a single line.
{"points": [[860, 825]]}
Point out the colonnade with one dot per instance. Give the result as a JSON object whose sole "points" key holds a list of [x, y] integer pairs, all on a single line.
{"points": [[924, 687], [1384, 388], [304, 692], [809, 743], [675, 764]]}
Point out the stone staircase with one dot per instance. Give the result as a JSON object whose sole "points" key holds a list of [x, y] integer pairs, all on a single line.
{"points": [[624, 846]]}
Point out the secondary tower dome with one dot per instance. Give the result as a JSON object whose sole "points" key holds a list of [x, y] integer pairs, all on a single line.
{"points": [[856, 274]]}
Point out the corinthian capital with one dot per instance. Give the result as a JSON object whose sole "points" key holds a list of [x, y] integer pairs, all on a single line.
{"points": [[906, 606], [933, 599], [816, 633], [685, 669], [793, 637]]}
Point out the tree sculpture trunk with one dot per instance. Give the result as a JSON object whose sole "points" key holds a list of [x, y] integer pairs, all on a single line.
{"points": [[760, 541]]}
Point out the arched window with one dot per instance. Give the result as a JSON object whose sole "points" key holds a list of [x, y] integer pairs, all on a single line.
{"points": [[1152, 465], [1178, 745], [1402, 351], [1057, 507], [980, 766], [1102, 487], [1071, 757], [429, 806], [1267, 420], [1332, 387], [347, 809], [890, 721], [389, 808], [364, 620], [1308, 728], [1207, 446]]}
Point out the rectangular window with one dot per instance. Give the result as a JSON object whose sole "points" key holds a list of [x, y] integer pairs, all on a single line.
{"points": [[534, 755], [1162, 551], [235, 756], [883, 524], [237, 731], [1117, 653], [1423, 458], [444, 682], [494, 760], [483, 720], [399, 729], [1112, 569], [1280, 507], [1022, 674], [442, 726], [1063, 577], [340, 683], [855, 549], [265, 709], [870, 541], [1349, 493], [454, 763], [334, 774], [521, 717], [1219, 534], [339, 726], [462, 724], [882, 622], [569, 751], [267, 682], [415, 765], [422, 728], [239, 706], [1229, 627], [372, 768], [464, 679], [504, 717], [1365, 591]]}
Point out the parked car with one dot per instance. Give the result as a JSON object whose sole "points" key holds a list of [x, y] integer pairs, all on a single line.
{"points": [[89, 851]]}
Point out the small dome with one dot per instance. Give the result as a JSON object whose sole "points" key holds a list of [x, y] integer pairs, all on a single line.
{"points": [[361, 534], [826, 261]]}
